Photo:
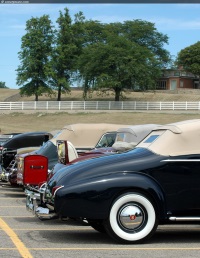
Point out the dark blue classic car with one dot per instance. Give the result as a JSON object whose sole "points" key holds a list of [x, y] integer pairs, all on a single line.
{"points": [[129, 194]]}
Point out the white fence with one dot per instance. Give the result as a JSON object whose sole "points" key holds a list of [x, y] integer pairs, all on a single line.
{"points": [[99, 105]]}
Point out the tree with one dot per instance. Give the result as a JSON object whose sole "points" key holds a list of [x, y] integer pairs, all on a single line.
{"points": [[91, 32], [36, 48], [189, 59], [68, 45], [124, 56], [3, 85], [146, 35]]}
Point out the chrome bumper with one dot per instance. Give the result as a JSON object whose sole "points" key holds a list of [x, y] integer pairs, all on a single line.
{"points": [[33, 206], [30, 190], [48, 213], [32, 194]]}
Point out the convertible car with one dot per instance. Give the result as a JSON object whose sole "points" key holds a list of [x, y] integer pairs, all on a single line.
{"points": [[124, 138], [33, 167], [129, 194]]}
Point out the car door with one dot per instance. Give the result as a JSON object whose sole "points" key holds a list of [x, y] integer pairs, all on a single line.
{"points": [[180, 180]]}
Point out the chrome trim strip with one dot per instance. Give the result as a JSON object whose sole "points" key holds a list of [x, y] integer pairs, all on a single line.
{"points": [[180, 160], [57, 190], [184, 218]]}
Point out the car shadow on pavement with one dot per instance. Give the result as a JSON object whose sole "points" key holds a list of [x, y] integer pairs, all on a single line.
{"points": [[173, 235], [87, 235]]}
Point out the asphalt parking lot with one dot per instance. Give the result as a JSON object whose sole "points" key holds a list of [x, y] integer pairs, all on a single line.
{"points": [[24, 235]]}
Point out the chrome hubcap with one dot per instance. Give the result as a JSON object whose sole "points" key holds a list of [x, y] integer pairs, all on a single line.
{"points": [[131, 217]]}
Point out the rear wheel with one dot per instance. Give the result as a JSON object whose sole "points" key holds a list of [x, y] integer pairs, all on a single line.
{"points": [[132, 218]]}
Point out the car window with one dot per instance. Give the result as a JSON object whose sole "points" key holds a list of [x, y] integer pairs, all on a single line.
{"points": [[48, 149], [151, 138], [124, 137], [5, 138], [106, 140]]}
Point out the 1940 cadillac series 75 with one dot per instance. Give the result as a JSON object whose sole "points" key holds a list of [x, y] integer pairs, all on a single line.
{"points": [[129, 194]]}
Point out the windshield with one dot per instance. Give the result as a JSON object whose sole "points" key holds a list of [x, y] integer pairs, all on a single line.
{"points": [[5, 138], [106, 140], [125, 137], [49, 150]]}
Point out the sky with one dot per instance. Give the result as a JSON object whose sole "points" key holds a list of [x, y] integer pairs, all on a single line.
{"points": [[180, 22]]}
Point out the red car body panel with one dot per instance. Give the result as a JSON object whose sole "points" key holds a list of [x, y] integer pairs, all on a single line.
{"points": [[34, 169]]}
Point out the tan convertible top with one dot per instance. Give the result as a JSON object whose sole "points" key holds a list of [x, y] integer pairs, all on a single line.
{"points": [[85, 135], [179, 138], [127, 138], [136, 133]]}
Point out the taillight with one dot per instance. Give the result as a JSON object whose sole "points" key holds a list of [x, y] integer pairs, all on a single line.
{"points": [[56, 188]]}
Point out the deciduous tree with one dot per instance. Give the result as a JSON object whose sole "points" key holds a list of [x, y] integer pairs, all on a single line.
{"points": [[124, 56], [189, 59], [3, 85], [63, 55], [36, 48]]}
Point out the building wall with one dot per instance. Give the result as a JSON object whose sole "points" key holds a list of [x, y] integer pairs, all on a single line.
{"points": [[177, 79], [176, 83]]}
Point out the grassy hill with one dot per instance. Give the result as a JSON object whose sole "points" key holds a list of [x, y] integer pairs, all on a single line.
{"points": [[12, 95]]}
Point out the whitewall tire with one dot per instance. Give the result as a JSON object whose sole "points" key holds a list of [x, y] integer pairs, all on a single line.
{"points": [[132, 218]]}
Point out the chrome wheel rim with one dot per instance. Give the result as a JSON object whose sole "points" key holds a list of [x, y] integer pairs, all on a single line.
{"points": [[131, 217]]}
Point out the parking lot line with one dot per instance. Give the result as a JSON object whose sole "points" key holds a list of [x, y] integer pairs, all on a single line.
{"points": [[7, 248], [14, 197], [54, 229], [18, 206], [16, 241], [25, 216], [6, 192], [90, 228], [119, 248]]}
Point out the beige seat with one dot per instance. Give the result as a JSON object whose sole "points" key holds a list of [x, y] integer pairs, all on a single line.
{"points": [[123, 146]]}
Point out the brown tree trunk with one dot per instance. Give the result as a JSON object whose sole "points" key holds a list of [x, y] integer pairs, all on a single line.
{"points": [[59, 93], [117, 94]]}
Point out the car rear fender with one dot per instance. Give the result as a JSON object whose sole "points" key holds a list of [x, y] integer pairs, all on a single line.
{"points": [[106, 189], [145, 185]]}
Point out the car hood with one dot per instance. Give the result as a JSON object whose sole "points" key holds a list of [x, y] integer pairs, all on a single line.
{"points": [[138, 159]]}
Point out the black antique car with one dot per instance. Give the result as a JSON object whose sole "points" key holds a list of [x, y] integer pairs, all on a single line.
{"points": [[11, 143], [129, 194]]}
